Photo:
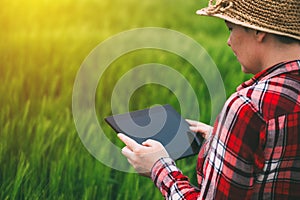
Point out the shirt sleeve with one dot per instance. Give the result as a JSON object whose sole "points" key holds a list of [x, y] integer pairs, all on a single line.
{"points": [[171, 182]]}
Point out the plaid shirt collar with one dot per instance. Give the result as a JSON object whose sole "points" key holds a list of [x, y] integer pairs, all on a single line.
{"points": [[281, 68]]}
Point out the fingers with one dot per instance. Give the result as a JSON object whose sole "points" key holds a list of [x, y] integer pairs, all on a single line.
{"points": [[142, 157], [150, 143], [133, 145], [200, 127], [193, 125], [197, 126], [127, 152], [195, 129], [130, 143], [192, 122]]}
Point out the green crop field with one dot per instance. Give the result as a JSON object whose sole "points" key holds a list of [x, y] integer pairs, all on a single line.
{"points": [[42, 46]]}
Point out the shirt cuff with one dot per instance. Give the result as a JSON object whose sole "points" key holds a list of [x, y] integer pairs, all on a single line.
{"points": [[161, 169]]}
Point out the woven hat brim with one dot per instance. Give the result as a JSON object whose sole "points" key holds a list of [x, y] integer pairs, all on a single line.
{"points": [[203, 12]]}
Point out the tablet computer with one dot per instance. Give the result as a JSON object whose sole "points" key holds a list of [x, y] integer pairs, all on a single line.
{"points": [[162, 123]]}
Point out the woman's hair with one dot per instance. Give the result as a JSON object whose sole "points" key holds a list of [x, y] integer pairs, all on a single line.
{"points": [[286, 40], [281, 38]]}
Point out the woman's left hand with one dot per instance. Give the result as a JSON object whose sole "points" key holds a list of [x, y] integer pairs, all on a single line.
{"points": [[142, 157]]}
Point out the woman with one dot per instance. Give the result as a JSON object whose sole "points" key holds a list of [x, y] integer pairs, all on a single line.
{"points": [[253, 149]]}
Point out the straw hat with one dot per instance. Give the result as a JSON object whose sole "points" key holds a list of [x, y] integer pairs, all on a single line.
{"points": [[281, 17]]}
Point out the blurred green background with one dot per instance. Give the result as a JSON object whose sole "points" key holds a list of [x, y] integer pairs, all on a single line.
{"points": [[42, 45]]}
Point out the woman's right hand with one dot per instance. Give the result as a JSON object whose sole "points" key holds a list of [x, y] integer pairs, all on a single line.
{"points": [[199, 127]]}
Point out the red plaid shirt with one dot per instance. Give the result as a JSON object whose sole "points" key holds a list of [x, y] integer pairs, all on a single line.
{"points": [[254, 150]]}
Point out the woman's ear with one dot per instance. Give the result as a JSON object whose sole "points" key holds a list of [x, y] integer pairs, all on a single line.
{"points": [[260, 36]]}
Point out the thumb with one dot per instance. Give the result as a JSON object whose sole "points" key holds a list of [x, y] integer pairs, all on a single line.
{"points": [[149, 143]]}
